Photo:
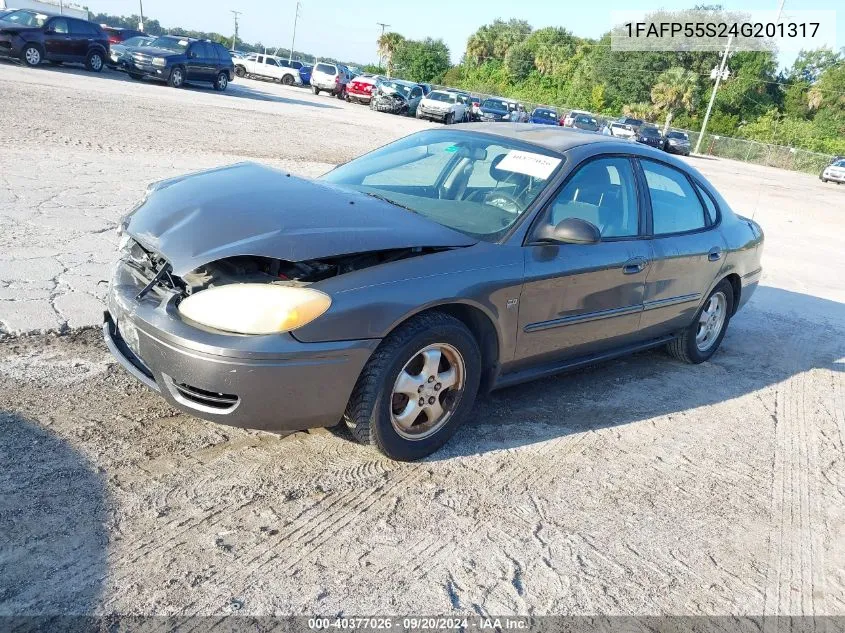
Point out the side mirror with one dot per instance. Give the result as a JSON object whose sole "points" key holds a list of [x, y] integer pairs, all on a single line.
{"points": [[570, 231]]}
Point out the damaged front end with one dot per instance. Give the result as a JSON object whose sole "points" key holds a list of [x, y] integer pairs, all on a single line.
{"points": [[388, 100]]}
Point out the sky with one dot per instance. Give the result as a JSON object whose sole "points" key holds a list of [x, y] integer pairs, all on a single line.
{"points": [[348, 30]]}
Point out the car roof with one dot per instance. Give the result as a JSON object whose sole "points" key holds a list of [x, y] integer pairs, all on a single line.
{"points": [[402, 82], [556, 139]]}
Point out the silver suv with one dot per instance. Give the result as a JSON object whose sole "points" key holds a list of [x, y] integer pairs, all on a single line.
{"points": [[331, 78]]}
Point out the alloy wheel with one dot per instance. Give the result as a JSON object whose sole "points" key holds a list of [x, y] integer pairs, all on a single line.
{"points": [[710, 321], [426, 391], [33, 56], [96, 62]]}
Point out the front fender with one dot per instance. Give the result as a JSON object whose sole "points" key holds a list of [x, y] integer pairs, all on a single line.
{"points": [[371, 303]]}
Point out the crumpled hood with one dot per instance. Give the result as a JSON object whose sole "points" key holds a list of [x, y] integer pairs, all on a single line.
{"points": [[250, 209]]}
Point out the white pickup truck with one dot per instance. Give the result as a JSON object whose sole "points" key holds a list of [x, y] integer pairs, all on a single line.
{"points": [[267, 67]]}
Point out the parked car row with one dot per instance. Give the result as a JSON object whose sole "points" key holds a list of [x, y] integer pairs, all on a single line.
{"points": [[34, 37]]}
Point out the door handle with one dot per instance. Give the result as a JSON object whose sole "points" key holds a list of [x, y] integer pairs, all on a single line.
{"points": [[635, 265], [715, 254]]}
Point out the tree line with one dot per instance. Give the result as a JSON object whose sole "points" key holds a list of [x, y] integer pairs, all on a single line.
{"points": [[802, 107]]}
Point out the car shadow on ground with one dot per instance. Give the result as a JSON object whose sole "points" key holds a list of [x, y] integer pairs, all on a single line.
{"points": [[768, 342], [53, 551]]}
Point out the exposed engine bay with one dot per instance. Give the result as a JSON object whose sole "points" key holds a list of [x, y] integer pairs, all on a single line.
{"points": [[154, 269]]}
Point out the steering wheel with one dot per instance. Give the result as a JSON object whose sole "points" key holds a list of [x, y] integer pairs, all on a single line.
{"points": [[503, 201]]}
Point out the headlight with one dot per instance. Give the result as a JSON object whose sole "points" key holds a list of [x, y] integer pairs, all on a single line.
{"points": [[255, 308], [159, 61]]}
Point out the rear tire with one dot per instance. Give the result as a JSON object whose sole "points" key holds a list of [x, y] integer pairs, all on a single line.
{"points": [[450, 119], [94, 62], [376, 402], [691, 346], [287, 80], [315, 90], [31, 55], [240, 71], [221, 82]]}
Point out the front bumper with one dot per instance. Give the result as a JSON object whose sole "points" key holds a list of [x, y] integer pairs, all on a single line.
{"points": [[834, 176], [10, 46], [428, 113], [272, 383]]}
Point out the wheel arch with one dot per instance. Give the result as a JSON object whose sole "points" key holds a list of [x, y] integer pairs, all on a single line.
{"points": [[482, 326], [736, 284]]}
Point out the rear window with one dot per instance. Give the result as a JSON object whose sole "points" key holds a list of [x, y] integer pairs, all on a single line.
{"points": [[222, 54], [79, 27], [326, 68]]}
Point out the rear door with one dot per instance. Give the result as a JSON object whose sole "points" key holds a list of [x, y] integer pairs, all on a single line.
{"points": [[81, 38], [582, 299], [689, 250]]}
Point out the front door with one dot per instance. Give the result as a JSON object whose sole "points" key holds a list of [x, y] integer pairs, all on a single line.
{"points": [[57, 43], [581, 299], [200, 67], [689, 251]]}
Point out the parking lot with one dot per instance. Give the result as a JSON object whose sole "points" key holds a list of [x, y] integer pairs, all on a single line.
{"points": [[642, 486]]}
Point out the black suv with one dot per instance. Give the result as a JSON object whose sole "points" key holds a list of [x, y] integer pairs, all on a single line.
{"points": [[33, 36], [177, 59]]}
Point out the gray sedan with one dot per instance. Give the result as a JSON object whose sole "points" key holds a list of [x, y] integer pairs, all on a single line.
{"points": [[390, 292]]}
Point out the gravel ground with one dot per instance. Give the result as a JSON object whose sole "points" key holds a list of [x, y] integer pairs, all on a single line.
{"points": [[643, 486]]}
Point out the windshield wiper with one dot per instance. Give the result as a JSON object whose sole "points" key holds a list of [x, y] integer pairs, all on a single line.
{"points": [[388, 200]]}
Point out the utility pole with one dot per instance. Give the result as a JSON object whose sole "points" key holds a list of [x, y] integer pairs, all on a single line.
{"points": [[293, 39], [141, 21], [235, 39], [383, 26], [718, 75]]}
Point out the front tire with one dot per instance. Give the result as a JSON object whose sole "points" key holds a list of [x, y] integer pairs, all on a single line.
{"points": [[177, 77], [94, 62], [417, 388], [450, 119], [31, 55], [700, 340]]}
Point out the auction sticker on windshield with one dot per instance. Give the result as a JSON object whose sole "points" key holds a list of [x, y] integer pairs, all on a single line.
{"points": [[528, 163]]}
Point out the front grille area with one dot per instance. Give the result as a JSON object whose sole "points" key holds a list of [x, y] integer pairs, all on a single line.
{"points": [[150, 269], [142, 60], [211, 399]]}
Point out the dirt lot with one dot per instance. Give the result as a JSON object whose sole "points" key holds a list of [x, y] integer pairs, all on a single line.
{"points": [[644, 486]]}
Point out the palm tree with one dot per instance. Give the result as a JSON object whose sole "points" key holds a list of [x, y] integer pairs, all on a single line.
{"points": [[387, 45], [642, 111], [675, 90]]}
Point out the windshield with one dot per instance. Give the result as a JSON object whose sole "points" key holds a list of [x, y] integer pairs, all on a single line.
{"points": [[544, 114], [477, 184], [839, 163], [25, 18], [171, 43], [494, 104], [679, 135], [649, 131], [392, 86], [586, 119], [441, 96], [137, 41]]}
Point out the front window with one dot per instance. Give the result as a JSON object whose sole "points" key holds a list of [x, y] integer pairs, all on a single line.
{"points": [[26, 18], [176, 44], [839, 163], [477, 184]]}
